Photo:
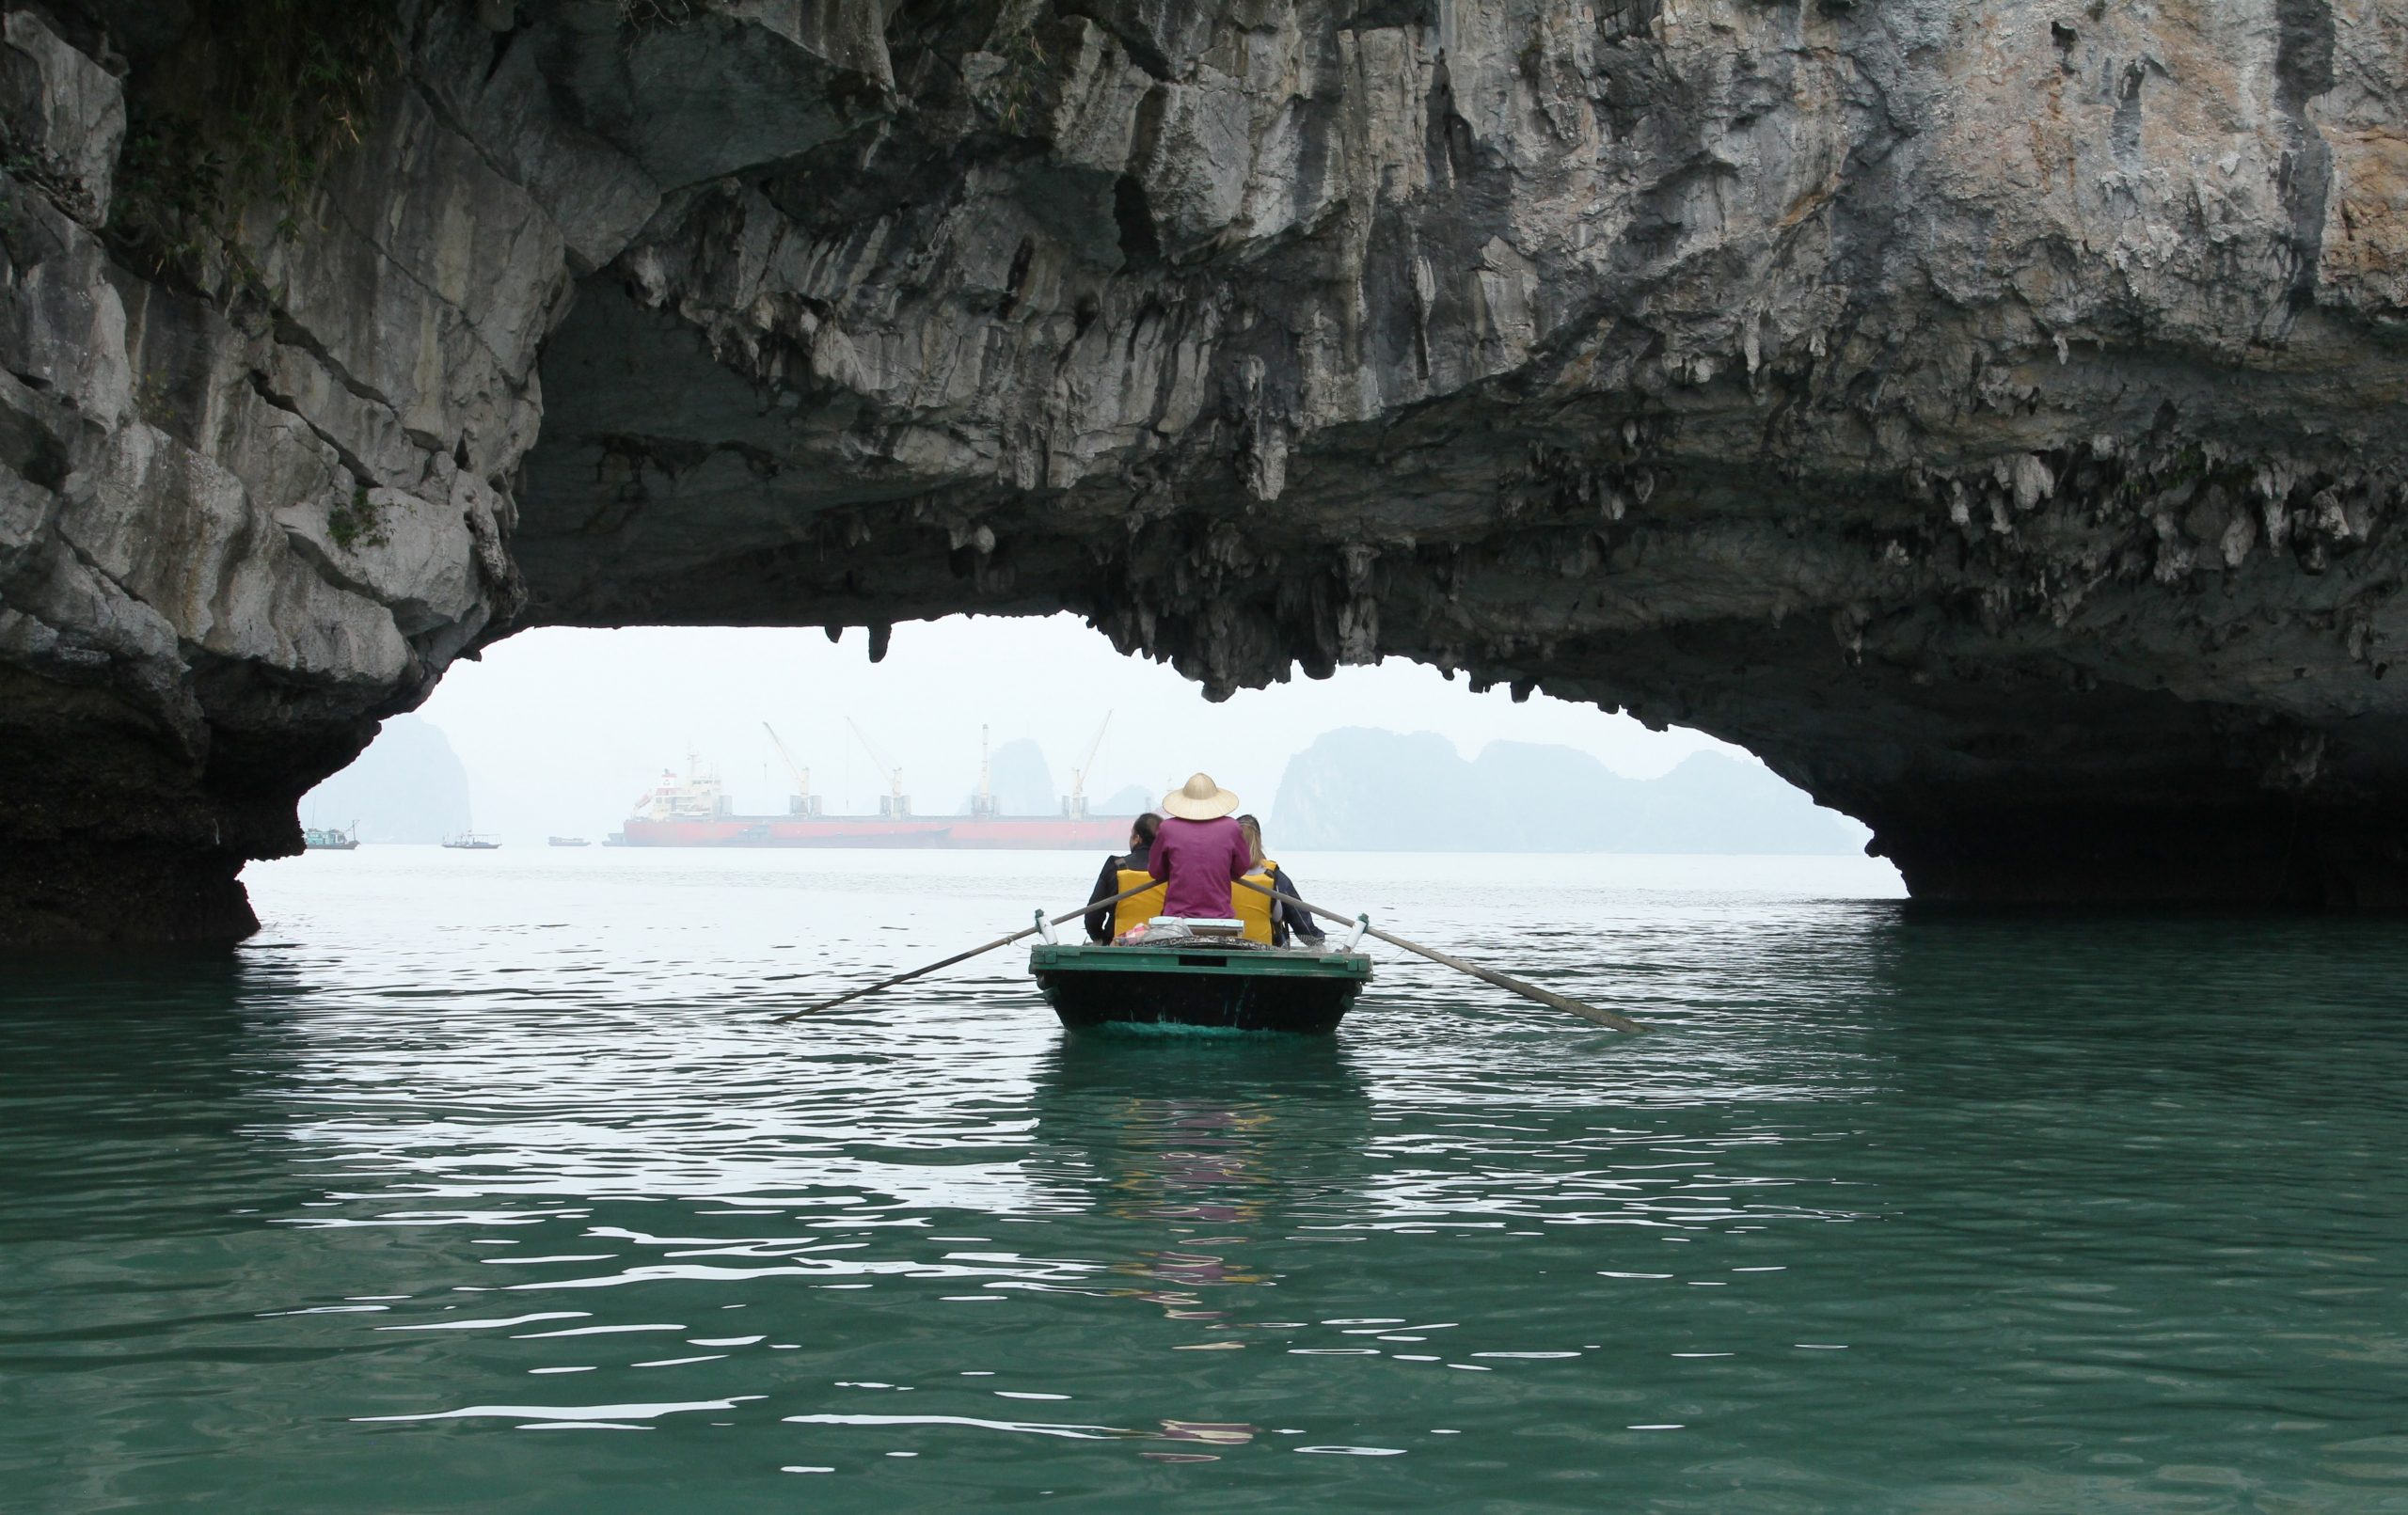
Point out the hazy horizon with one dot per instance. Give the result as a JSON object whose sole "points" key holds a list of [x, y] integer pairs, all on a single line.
{"points": [[562, 729]]}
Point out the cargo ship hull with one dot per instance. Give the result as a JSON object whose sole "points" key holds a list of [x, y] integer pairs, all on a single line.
{"points": [[1095, 833]]}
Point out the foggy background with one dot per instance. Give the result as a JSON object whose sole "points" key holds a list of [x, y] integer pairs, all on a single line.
{"points": [[561, 730]]}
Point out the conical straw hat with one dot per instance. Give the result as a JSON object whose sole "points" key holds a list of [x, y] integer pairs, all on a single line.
{"points": [[1199, 799]]}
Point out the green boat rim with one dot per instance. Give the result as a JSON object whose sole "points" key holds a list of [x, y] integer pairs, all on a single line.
{"points": [[1199, 986], [1184, 959]]}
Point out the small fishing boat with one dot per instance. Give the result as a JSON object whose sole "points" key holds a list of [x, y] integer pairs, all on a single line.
{"points": [[331, 837], [1198, 981], [471, 842], [1197, 973], [564, 841]]}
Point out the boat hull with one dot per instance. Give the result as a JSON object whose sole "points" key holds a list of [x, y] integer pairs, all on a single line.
{"points": [[1198, 987]]}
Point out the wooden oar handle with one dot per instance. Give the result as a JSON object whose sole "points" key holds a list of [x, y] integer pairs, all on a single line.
{"points": [[965, 956], [1489, 975]]}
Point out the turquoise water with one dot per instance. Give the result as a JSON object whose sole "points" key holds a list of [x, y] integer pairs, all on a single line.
{"points": [[478, 1183]]}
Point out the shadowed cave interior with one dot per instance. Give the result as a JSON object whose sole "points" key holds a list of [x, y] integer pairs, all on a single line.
{"points": [[2023, 481]]}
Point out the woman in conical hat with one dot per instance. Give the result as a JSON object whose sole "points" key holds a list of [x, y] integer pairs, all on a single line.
{"points": [[1198, 851]]}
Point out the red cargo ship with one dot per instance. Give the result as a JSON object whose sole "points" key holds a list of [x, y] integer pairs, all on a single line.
{"points": [[1095, 833], [695, 812]]}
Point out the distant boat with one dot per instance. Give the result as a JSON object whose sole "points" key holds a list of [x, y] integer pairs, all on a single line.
{"points": [[471, 842], [330, 838], [565, 840]]}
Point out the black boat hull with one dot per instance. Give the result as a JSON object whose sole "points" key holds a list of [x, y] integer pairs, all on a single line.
{"points": [[1198, 988]]}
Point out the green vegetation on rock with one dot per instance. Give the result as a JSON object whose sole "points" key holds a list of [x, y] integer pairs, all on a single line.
{"points": [[355, 522], [246, 111]]}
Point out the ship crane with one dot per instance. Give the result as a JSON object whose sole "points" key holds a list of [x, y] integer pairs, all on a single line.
{"points": [[982, 804], [803, 801], [1074, 804], [895, 803]]}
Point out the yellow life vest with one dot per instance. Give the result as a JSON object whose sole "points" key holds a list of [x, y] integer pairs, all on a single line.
{"points": [[1253, 908], [1138, 908]]}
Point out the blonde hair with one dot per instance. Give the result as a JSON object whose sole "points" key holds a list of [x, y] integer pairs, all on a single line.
{"points": [[1253, 830]]}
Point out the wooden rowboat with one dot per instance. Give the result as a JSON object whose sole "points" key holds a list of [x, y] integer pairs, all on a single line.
{"points": [[1193, 983]]}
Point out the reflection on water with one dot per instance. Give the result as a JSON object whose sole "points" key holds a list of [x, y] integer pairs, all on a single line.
{"points": [[1204, 1143], [1210, 1131], [491, 1188]]}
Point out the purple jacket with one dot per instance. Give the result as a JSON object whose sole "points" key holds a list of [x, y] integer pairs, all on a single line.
{"points": [[1200, 859]]}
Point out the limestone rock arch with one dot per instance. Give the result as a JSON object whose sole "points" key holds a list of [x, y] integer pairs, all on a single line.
{"points": [[1988, 417]]}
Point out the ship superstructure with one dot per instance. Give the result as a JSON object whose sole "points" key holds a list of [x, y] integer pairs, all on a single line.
{"points": [[697, 797], [696, 812]]}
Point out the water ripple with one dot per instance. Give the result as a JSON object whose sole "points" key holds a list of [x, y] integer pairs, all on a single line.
{"points": [[1894, 1213]]}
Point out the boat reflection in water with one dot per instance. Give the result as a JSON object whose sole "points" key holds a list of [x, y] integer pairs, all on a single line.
{"points": [[1208, 1144], [1213, 1132]]}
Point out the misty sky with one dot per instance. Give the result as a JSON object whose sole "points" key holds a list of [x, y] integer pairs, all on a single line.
{"points": [[561, 730]]}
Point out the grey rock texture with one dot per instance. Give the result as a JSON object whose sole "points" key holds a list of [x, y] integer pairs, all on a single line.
{"points": [[1987, 412], [235, 530]]}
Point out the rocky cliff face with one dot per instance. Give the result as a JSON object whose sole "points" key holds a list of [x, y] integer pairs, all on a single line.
{"points": [[1987, 412]]}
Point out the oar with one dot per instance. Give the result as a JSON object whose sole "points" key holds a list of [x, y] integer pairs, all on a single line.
{"points": [[965, 956], [1487, 975]]}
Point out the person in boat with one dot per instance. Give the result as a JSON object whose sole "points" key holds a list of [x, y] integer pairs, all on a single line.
{"points": [[1124, 871], [1283, 922], [1199, 853]]}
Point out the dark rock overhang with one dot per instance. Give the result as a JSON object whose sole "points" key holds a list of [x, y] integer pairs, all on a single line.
{"points": [[1992, 425]]}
